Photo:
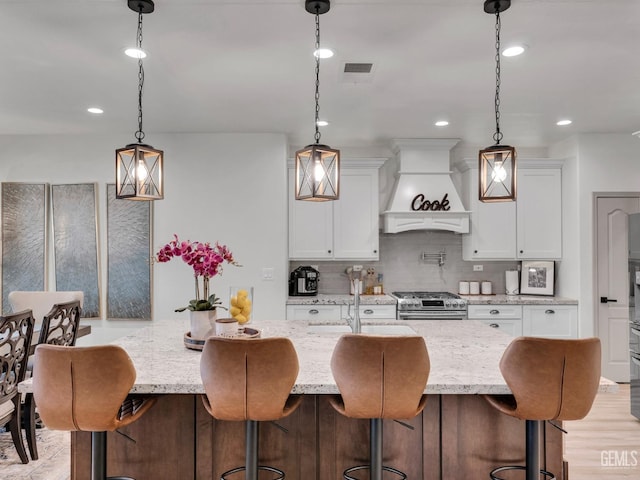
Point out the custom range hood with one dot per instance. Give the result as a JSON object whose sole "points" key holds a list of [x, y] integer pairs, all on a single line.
{"points": [[424, 196]]}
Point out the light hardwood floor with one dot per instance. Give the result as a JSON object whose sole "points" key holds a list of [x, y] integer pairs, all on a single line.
{"points": [[606, 443]]}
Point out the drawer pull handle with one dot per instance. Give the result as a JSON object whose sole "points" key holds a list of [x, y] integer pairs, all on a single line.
{"points": [[368, 311], [494, 325], [494, 312], [313, 311], [549, 312]]}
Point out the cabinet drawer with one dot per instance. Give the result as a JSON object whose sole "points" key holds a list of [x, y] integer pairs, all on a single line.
{"points": [[552, 321], [485, 312], [313, 312], [512, 327], [377, 311]]}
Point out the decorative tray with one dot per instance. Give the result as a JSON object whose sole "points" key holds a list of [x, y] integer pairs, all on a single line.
{"points": [[198, 344]]}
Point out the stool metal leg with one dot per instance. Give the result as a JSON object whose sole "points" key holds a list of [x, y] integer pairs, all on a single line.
{"points": [[251, 466], [532, 456], [251, 450], [98, 455], [375, 460]]}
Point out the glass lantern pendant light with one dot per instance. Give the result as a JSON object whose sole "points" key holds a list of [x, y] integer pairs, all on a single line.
{"points": [[498, 162], [317, 166], [139, 174]]}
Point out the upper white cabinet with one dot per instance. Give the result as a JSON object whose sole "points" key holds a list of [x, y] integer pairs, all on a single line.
{"points": [[530, 228], [344, 229]]}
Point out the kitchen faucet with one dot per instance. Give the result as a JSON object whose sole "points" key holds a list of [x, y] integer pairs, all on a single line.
{"points": [[354, 320]]}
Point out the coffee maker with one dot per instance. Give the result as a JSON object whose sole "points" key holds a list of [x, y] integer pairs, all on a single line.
{"points": [[303, 281]]}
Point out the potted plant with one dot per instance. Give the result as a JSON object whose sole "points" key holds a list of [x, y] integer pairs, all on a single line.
{"points": [[206, 261]]}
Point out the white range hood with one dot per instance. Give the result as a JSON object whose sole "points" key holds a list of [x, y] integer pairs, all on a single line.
{"points": [[424, 196]]}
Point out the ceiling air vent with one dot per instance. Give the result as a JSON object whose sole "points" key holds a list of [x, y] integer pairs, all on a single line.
{"points": [[357, 72]]}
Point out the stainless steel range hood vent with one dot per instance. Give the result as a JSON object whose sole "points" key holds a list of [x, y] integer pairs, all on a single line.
{"points": [[424, 196]]}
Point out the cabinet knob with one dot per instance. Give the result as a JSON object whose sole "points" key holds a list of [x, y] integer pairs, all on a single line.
{"points": [[328, 251], [494, 325], [313, 311], [494, 312], [521, 251], [368, 311], [475, 251], [549, 312], [375, 251]]}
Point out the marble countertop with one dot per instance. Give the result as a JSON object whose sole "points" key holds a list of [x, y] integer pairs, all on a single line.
{"points": [[464, 357], [326, 299], [517, 300]]}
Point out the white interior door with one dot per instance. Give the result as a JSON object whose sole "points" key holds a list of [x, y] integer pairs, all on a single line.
{"points": [[612, 251]]}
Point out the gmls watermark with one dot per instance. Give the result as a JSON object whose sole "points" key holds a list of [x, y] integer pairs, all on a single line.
{"points": [[619, 458]]}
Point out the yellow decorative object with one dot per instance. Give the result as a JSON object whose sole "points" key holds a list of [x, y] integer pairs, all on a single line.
{"points": [[241, 304]]}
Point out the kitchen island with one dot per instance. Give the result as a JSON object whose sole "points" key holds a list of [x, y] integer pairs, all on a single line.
{"points": [[457, 436]]}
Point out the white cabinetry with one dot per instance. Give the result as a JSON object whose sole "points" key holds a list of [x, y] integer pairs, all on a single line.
{"points": [[339, 312], [313, 312], [551, 321], [344, 229], [506, 318], [530, 228]]}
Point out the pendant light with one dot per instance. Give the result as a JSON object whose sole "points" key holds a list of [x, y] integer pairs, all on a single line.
{"points": [[139, 174], [317, 166], [498, 162]]}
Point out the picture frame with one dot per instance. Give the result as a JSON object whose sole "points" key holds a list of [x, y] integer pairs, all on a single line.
{"points": [[537, 277]]}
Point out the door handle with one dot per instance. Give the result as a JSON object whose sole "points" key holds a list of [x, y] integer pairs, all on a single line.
{"points": [[607, 300]]}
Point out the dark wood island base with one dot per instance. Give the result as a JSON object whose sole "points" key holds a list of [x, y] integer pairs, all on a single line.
{"points": [[457, 436]]}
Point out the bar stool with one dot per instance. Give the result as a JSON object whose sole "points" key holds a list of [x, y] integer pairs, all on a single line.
{"points": [[379, 377], [86, 389], [250, 380], [550, 379]]}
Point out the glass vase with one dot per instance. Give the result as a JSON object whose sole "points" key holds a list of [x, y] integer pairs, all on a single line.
{"points": [[241, 304]]}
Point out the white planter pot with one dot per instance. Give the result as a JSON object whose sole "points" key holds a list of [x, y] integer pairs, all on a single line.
{"points": [[203, 323]]}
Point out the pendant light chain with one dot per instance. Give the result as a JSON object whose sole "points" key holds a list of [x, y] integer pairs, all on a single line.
{"points": [[317, 55], [497, 136], [140, 134]]}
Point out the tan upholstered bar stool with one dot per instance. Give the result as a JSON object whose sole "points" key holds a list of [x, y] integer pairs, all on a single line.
{"points": [[86, 389], [550, 379], [379, 377], [250, 380]]}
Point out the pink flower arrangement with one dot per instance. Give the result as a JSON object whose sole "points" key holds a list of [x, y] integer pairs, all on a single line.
{"points": [[206, 262]]}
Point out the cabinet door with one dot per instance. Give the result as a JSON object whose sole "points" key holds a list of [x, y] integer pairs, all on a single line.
{"points": [[355, 222], [314, 312], [492, 233], [539, 213], [310, 227], [378, 312], [511, 327], [551, 321], [494, 312]]}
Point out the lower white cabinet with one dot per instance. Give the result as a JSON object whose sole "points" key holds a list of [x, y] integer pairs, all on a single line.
{"points": [[506, 318], [551, 321], [339, 312], [314, 312]]}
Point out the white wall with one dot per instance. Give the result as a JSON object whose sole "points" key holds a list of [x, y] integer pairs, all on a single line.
{"points": [[602, 163], [229, 188]]}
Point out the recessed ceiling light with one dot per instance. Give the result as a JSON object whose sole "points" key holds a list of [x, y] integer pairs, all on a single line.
{"points": [[514, 50], [562, 123], [95, 110], [135, 53], [441, 123], [323, 53], [322, 123]]}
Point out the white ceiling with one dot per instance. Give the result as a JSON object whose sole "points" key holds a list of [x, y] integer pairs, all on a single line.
{"points": [[246, 66]]}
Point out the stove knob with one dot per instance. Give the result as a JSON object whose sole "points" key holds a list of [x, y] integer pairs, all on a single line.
{"points": [[447, 303]]}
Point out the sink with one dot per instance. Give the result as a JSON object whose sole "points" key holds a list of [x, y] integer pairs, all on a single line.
{"points": [[374, 329]]}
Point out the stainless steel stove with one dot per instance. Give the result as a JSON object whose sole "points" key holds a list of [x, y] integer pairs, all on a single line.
{"points": [[430, 306]]}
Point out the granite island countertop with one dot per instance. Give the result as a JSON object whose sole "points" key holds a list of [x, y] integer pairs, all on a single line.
{"points": [[337, 299], [464, 357], [517, 300]]}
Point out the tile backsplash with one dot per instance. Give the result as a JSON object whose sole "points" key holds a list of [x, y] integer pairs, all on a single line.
{"points": [[403, 267]]}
